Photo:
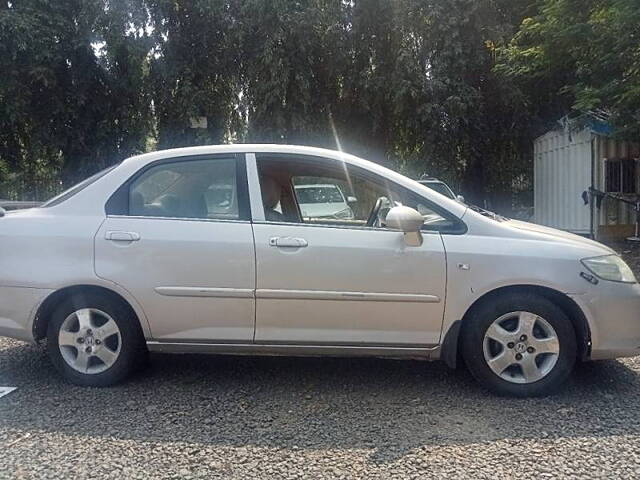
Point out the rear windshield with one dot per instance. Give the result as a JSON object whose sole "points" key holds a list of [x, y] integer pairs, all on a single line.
{"points": [[76, 188]]}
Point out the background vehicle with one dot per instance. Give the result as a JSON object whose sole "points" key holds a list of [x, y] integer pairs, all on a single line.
{"points": [[205, 250], [323, 201]]}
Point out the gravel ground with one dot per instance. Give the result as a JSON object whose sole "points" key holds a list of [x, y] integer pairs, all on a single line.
{"points": [[190, 416], [233, 417]]}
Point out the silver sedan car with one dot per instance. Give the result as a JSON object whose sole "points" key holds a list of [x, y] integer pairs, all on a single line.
{"points": [[205, 250]]}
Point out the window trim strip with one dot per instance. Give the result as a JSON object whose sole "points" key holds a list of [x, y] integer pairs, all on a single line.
{"points": [[180, 219]]}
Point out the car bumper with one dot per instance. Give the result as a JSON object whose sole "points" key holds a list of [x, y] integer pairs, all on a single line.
{"points": [[613, 312], [18, 306]]}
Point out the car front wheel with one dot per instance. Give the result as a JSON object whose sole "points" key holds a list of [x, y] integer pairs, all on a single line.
{"points": [[94, 340], [520, 345]]}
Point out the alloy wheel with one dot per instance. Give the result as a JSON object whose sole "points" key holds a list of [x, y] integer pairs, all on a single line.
{"points": [[521, 347], [89, 341]]}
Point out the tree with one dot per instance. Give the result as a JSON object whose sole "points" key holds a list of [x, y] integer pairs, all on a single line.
{"points": [[454, 88], [579, 55], [194, 71], [454, 117], [66, 112], [292, 60], [365, 112], [125, 55]]}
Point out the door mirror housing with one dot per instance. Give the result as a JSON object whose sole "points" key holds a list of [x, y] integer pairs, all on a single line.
{"points": [[351, 200], [2, 212], [407, 220], [460, 198]]}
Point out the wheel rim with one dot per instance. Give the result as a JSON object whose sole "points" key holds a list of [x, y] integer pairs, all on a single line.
{"points": [[521, 347], [89, 341]]}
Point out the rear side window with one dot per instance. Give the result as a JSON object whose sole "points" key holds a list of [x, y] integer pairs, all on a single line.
{"points": [[195, 189], [204, 188]]}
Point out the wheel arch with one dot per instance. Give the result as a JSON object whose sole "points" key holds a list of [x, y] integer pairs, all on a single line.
{"points": [[451, 343], [48, 305]]}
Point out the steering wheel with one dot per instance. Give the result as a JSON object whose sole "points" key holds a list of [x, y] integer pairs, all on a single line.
{"points": [[373, 216]]}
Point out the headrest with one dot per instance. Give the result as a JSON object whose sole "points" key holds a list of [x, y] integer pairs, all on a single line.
{"points": [[136, 204], [271, 191]]}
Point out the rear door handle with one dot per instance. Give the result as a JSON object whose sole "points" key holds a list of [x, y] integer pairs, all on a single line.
{"points": [[291, 242], [117, 236]]}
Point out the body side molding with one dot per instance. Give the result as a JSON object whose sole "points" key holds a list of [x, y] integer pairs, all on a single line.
{"points": [[334, 295], [205, 292]]}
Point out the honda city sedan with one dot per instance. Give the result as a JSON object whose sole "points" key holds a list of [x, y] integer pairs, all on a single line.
{"points": [[207, 250]]}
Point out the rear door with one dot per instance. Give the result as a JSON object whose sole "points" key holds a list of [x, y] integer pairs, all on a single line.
{"points": [[178, 237]]}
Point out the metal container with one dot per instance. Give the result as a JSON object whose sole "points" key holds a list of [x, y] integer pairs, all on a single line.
{"points": [[570, 159]]}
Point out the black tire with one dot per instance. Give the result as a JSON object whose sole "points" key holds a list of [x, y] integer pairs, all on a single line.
{"points": [[132, 346], [475, 327]]}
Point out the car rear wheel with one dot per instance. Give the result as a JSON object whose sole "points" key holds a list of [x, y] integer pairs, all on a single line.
{"points": [[519, 345], [94, 340]]}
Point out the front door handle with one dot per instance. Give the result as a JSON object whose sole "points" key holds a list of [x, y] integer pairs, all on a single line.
{"points": [[117, 236], [291, 242]]}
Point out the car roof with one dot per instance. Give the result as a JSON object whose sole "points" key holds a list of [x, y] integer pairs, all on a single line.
{"points": [[105, 185], [237, 148]]}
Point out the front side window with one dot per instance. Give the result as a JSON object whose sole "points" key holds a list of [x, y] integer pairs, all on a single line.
{"points": [[328, 192], [200, 189]]}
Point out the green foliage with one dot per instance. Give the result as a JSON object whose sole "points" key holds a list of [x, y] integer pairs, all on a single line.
{"points": [[453, 88], [450, 108], [66, 112], [194, 70], [581, 55]]}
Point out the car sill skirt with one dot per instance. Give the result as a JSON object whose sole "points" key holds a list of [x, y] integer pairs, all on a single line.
{"points": [[423, 352]]}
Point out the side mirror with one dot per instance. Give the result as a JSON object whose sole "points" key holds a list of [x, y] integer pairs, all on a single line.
{"points": [[460, 198], [408, 221], [2, 212], [351, 199]]}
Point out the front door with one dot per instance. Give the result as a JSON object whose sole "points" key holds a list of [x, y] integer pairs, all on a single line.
{"points": [[337, 276], [180, 240]]}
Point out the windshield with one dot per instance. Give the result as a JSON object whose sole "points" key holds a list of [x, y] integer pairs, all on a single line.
{"points": [[319, 194], [76, 188], [440, 187]]}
